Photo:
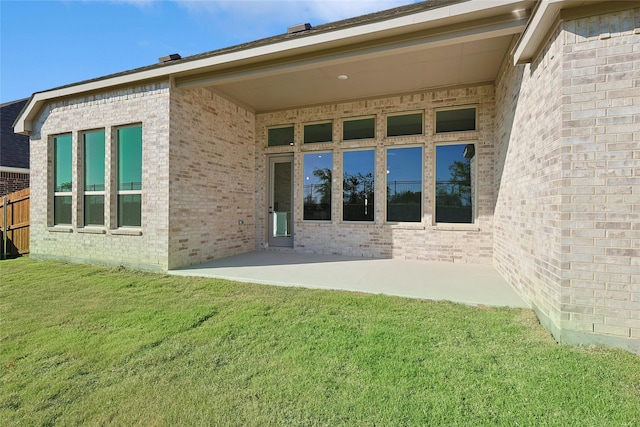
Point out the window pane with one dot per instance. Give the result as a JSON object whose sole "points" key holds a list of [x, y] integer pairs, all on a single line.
{"points": [[62, 210], [282, 181], [408, 124], [456, 120], [130, 158], [280, 136], [129, 210], [358, 185], [94, 210], [359, 129], [62, 163], [94, 161], [455, 166], [317, 186], [404, 184], [321, 132]]}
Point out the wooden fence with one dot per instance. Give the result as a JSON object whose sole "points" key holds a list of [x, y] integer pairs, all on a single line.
{"points": [[14, 217]]}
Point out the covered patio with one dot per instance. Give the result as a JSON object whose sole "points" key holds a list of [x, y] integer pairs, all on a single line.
{"points": [[462, 283]]}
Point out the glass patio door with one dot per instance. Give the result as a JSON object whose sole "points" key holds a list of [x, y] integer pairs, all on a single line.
{"points": [[280, 218]]}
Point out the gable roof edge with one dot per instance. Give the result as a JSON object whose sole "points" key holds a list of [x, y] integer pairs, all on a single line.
{"points": [[281, 47]]}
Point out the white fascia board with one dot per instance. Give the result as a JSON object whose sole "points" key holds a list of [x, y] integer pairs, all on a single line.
{"points": [[427, 18], [433, 41], [14, 170], [544, 17]]}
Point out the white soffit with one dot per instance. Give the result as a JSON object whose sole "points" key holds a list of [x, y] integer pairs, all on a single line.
{"points": [[454, 14]]}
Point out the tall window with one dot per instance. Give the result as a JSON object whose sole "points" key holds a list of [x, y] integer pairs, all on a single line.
{"points": [[404, 184], [455, 183], [130, 176], [317, 186], [62, 179], [358, 185], [93, 151]]}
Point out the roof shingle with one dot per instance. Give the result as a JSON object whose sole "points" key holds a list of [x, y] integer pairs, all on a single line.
{"points": [[14, 148]]}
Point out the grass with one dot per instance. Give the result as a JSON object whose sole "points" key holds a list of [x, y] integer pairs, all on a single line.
{"points": [[87, 345]]}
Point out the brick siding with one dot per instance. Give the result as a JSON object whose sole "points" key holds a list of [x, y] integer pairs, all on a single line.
{"points": [[148, 105], [212, 185], [469, 243], [568, 146], [11, 182]]}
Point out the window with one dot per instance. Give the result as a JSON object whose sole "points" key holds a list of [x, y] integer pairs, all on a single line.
{"points": [[458, 120], [359, 129], [280, 136], [130, 176], [406, 124], [93, 152], [318, 132], [358, 185], [62, 179], [317, 186], [404, 184], [455, 182]]}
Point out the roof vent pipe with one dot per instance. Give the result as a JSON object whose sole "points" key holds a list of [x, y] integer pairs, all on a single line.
{"points": [[298, 28], [169, 58]]}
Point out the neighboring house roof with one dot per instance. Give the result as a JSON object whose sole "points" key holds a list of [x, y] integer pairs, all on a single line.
{"points": [[14, 148], [435, 43]]}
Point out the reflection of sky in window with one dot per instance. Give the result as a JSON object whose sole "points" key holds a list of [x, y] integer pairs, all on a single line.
{"points": [[445, 156], [315, 161], [94, 160], [130, 156], [63, 162], [404, 164], [359, 162]]}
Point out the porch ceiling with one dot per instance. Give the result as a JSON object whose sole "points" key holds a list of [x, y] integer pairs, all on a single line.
{"points": [[433, 44], [442, 58]]}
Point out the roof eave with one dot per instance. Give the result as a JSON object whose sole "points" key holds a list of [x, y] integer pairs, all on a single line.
{"points": [[543, 19], [24, 122]]}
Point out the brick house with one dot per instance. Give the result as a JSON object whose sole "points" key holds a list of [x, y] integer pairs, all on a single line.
{"points": [[14, 150], [491, 132]]}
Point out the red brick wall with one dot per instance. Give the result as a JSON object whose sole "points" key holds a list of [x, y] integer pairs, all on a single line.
{"points": [[13, 181]]}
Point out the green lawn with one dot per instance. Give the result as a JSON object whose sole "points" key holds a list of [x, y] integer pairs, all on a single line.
{"points": [[85, 345]]}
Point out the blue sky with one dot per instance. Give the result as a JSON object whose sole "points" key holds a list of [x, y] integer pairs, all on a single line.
{"points": [[46, 44]]}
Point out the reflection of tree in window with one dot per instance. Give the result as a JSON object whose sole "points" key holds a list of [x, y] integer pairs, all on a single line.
{"points": [[454, 186], [404, 184], [358, 185], [317, 186]]}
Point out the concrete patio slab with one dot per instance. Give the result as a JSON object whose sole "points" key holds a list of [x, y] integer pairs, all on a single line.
{"points": [[463, 283]]}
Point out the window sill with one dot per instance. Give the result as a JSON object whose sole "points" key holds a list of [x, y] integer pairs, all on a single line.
{"points": [[60, 229], [405, 226], [456, 227], [92, 230], [126, 232]]}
